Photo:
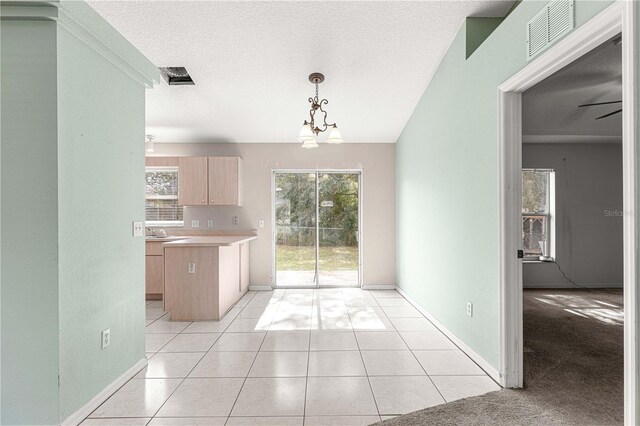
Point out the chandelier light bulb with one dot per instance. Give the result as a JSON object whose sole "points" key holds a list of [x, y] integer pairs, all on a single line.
{"points": [[334, 135], [306, 134], [309, 144]]}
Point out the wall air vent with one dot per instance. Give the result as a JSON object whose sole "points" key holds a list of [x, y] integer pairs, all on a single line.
{"points": [[176, 76], [549, 25]]}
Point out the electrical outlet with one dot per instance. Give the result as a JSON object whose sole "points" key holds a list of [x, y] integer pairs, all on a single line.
{"points": [[138, 228], [470, 309], [261, 223], [236, 220], [192, 268], [210, 224], [195, 224], [106, 338]]}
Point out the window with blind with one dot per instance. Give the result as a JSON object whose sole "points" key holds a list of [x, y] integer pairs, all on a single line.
{"points": [[538, 202], [161, 197]]}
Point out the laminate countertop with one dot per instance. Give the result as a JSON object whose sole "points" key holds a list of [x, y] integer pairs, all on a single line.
{"points": [[210, 241]]}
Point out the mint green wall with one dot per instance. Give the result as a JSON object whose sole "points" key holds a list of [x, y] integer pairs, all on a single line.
{"points": [[447, 183], [72, 158], [29, 267], [101, 170]]}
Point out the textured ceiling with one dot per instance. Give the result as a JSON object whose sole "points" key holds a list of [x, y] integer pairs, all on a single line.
{"points": [[550, 109], [251, 60]]}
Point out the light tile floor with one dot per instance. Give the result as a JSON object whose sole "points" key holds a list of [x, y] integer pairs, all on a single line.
{"points": [[294, 357]]}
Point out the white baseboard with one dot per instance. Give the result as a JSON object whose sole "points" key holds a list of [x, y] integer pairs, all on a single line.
{"points": [[88, 408], [260, 288], [569, 285], [482, 363], [378, 287]]}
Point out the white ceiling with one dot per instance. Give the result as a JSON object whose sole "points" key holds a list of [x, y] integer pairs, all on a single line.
{"points": [[251, 60], [550, 109]]}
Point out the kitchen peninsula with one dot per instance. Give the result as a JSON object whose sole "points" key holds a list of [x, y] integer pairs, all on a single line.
{"points": [[204, 276]]}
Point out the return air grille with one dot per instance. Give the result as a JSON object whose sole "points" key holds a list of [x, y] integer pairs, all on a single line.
{"points": [[551, 23]]}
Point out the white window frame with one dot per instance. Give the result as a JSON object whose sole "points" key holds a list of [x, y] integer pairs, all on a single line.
{"points": [[550, 215], [162, 223]]}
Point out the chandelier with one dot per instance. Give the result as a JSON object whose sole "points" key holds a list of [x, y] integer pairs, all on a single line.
{"points": [[310, 129]]}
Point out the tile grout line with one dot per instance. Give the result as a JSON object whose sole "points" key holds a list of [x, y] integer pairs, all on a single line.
{"points": [[373, 395], [306, 382], [414, 355], [184, 378], [250, 367]]}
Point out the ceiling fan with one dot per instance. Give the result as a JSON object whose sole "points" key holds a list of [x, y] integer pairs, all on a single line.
{"points": [[604, 103]]}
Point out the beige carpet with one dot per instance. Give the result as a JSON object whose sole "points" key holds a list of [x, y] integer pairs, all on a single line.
{"points": [[573, 362]]}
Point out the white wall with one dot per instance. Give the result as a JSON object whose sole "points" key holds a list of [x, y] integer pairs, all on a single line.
{"points": [[377, 162], [588, 240]]}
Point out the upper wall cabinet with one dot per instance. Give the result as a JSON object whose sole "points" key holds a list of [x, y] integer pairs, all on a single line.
{"points": [[209, 181], [192, 181], [225, 181]]}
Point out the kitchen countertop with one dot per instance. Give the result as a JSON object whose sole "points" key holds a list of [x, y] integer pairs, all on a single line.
{"points": [[164, 239], [210, 241]]}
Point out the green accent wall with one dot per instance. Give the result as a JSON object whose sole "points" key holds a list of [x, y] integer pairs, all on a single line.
{"points": [[28, 223], [101, 191], [73, 116], [447, 183], [477, 30]]}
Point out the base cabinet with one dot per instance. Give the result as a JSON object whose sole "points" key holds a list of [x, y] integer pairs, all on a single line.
{"points": [[201, 283], [154, 271], [244, 267]]}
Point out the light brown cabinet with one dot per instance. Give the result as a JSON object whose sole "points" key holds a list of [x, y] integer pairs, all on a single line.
{"points": [[192, 181], [244, 267], [225, 181], [210, 181], [209, 290], [154, 279]]}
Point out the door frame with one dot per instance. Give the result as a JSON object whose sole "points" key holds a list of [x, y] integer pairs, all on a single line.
{"points": [[274, 283], [620, 17]]}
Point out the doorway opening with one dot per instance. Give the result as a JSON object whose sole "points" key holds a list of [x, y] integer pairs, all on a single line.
{"points": [[572, 238], [316, 228], [619, 18]]}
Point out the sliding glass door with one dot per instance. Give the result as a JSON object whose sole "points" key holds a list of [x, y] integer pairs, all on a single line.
{"points": [[316, 229]]}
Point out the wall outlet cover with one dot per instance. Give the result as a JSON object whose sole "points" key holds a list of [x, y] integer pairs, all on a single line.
{"points": [[138, 228], [191, 269], [236, 220], [195, 224], [470, 309], [261, 223], [210, 224]]}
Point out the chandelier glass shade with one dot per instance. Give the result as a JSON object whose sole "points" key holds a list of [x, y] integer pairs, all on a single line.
{"points": [[311, 129]]}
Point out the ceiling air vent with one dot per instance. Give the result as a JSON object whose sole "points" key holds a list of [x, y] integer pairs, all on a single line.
{"points": [[551, 23], [176, 76]]}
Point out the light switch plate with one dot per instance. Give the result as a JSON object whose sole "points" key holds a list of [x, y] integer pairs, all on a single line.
{"points": [[138, 228], [106, 338]]}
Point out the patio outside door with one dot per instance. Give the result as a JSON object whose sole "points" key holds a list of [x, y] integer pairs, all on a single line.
{"points": [[317, 228]]}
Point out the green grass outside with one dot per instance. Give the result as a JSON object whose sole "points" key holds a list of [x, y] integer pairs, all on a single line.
{"points": [[294, 258]]}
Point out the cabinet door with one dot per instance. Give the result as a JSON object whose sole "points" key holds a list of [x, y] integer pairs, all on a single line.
{"points": [[225, 186], [155, 274], [244, 267], [192, 181]]}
